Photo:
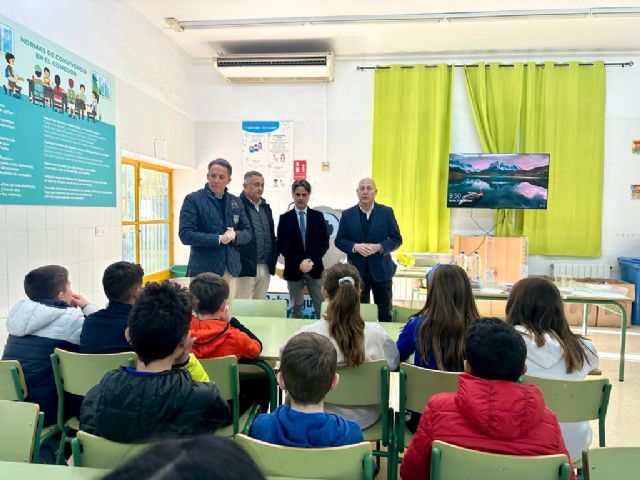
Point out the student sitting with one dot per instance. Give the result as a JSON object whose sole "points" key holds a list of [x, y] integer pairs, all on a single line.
{"points": [[438, 332], [104, 330], [51, 318], [307, 373], [491, 411], [535, 309], [153, 400], [217, 333], [355, 340]]}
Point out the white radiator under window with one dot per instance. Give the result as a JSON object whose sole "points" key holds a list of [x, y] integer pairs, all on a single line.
{"points": [[582, 270]]}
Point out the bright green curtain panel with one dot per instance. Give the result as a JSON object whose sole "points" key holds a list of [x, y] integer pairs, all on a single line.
{"points": [[495, 96], [563, 114], [411, 141]]}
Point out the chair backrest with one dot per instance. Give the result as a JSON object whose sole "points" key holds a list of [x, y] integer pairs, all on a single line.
{"points": [[611, 462], [417, 385], [574, 400], [368, 311], [403, 314], [450, 462], [38, 89], [350, 462], [19, 422], [78, 372], [242, 307], [223, 371], [96, 452], [12, 383]]}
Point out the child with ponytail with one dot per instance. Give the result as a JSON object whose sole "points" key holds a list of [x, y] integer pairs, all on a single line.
{"points": [[355, 340]]}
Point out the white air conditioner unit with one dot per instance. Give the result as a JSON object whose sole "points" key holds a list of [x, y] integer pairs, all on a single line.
{"points": [[294, 67]]}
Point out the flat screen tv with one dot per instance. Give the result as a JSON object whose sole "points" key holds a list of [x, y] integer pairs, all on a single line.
{"points": [[488, 180]]}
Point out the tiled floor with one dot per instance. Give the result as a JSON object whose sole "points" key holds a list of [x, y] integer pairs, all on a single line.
{"points": [[623, 416]]}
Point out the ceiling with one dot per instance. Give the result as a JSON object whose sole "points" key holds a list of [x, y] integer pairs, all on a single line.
{"points": [[450, 36]]}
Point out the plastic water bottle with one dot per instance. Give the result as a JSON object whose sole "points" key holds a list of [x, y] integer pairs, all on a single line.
{"points": [[474, 267], [461, 261], [489, 276]]}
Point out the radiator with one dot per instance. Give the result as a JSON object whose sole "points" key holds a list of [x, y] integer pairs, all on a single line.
{"points": [[403, 287], [582, 270]]}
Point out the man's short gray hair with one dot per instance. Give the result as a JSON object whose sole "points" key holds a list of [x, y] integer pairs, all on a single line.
{"points": [[250, 174]]}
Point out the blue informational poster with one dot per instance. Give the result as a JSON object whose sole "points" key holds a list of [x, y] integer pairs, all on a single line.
{"points": [[57, 132]]}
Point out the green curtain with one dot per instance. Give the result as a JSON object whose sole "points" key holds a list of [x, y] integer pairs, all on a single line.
{"points": [[411, 142], [495, 95], [563, 114]]}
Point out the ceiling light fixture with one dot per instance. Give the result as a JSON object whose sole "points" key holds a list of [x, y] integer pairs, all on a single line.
{"points": [[444, 17]]}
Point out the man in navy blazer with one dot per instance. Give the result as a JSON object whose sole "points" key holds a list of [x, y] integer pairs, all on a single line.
{"points": [[368, 233], [303, 240]]}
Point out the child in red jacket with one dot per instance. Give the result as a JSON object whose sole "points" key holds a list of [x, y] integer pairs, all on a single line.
{"points": [[218, 334], [490, 412]]}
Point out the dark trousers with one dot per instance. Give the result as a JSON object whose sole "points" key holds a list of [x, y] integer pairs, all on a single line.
{"points": [[382, 294]]}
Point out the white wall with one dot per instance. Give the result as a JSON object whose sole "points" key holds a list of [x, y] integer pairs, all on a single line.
{"points": [[334, 122], [153, 101]]}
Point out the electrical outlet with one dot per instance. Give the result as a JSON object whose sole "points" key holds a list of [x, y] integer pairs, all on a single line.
{"points": [[99, 231]]}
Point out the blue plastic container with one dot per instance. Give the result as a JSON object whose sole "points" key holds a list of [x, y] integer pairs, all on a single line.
{"points": [[630, 272]]}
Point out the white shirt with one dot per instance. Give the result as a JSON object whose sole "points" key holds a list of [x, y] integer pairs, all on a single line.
{"points": [[367, 212], [306, 216]]}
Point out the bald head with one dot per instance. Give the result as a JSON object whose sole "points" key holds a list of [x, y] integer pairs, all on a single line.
{"points": [[366, 193]]}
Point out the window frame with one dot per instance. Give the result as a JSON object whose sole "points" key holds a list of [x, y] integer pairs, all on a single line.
{"points": [[136, 223]]}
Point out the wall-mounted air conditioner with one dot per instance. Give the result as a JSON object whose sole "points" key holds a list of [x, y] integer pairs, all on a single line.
{"points": [[294, 67]]}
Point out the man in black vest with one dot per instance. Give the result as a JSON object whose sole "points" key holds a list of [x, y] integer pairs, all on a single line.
{"points": [[368, 233], [259, 256]]}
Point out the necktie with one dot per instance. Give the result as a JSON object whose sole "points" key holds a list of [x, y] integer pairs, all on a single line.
{"points": [[303, 229]]}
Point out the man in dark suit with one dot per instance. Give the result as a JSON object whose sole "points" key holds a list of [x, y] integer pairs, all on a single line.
{"points": [[303, 240], [259, 256], [368, 233], [213, 222]]}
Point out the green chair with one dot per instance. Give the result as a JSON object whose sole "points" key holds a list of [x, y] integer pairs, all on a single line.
{"points": [[242, 307], [416, 386], [367, 384], [403, 314], [576, 401], [21, 424], [97, 452], [450, 462], [224, 372], [76, 373], [350, 462], [611, 463], [14, 387], [12, 383], [178, 271], [368, 311], [28, 471]]}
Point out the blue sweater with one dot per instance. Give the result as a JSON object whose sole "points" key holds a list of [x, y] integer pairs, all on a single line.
{"points": [[408, 343], [292, 428]]}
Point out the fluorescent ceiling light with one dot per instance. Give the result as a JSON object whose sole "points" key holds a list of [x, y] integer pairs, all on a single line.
{"points": [[443, 17]]}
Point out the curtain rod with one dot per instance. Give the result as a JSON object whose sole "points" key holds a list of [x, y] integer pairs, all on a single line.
{"points": [[386, 67]]}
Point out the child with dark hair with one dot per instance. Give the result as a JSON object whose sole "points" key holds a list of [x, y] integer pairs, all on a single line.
{"points": [[535, 309], [103, 331], [71, 98], [154, 400], [203, 458], [12, 77], [491, 411], [51, 318], [355, 340], [217, 333], [307, 373]]}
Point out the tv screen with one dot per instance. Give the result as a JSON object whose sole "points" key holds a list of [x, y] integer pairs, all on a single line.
{"points": [[491, 180]]}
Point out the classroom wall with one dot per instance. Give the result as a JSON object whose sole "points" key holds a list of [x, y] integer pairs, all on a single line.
{"points": [[333, 121], [153, 101]]}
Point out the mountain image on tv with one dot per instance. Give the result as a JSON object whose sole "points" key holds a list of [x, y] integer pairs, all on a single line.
{"points": [[491, 180]]}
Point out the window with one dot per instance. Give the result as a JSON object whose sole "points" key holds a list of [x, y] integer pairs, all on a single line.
{"points": [[6, 38], [147, 217]]}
